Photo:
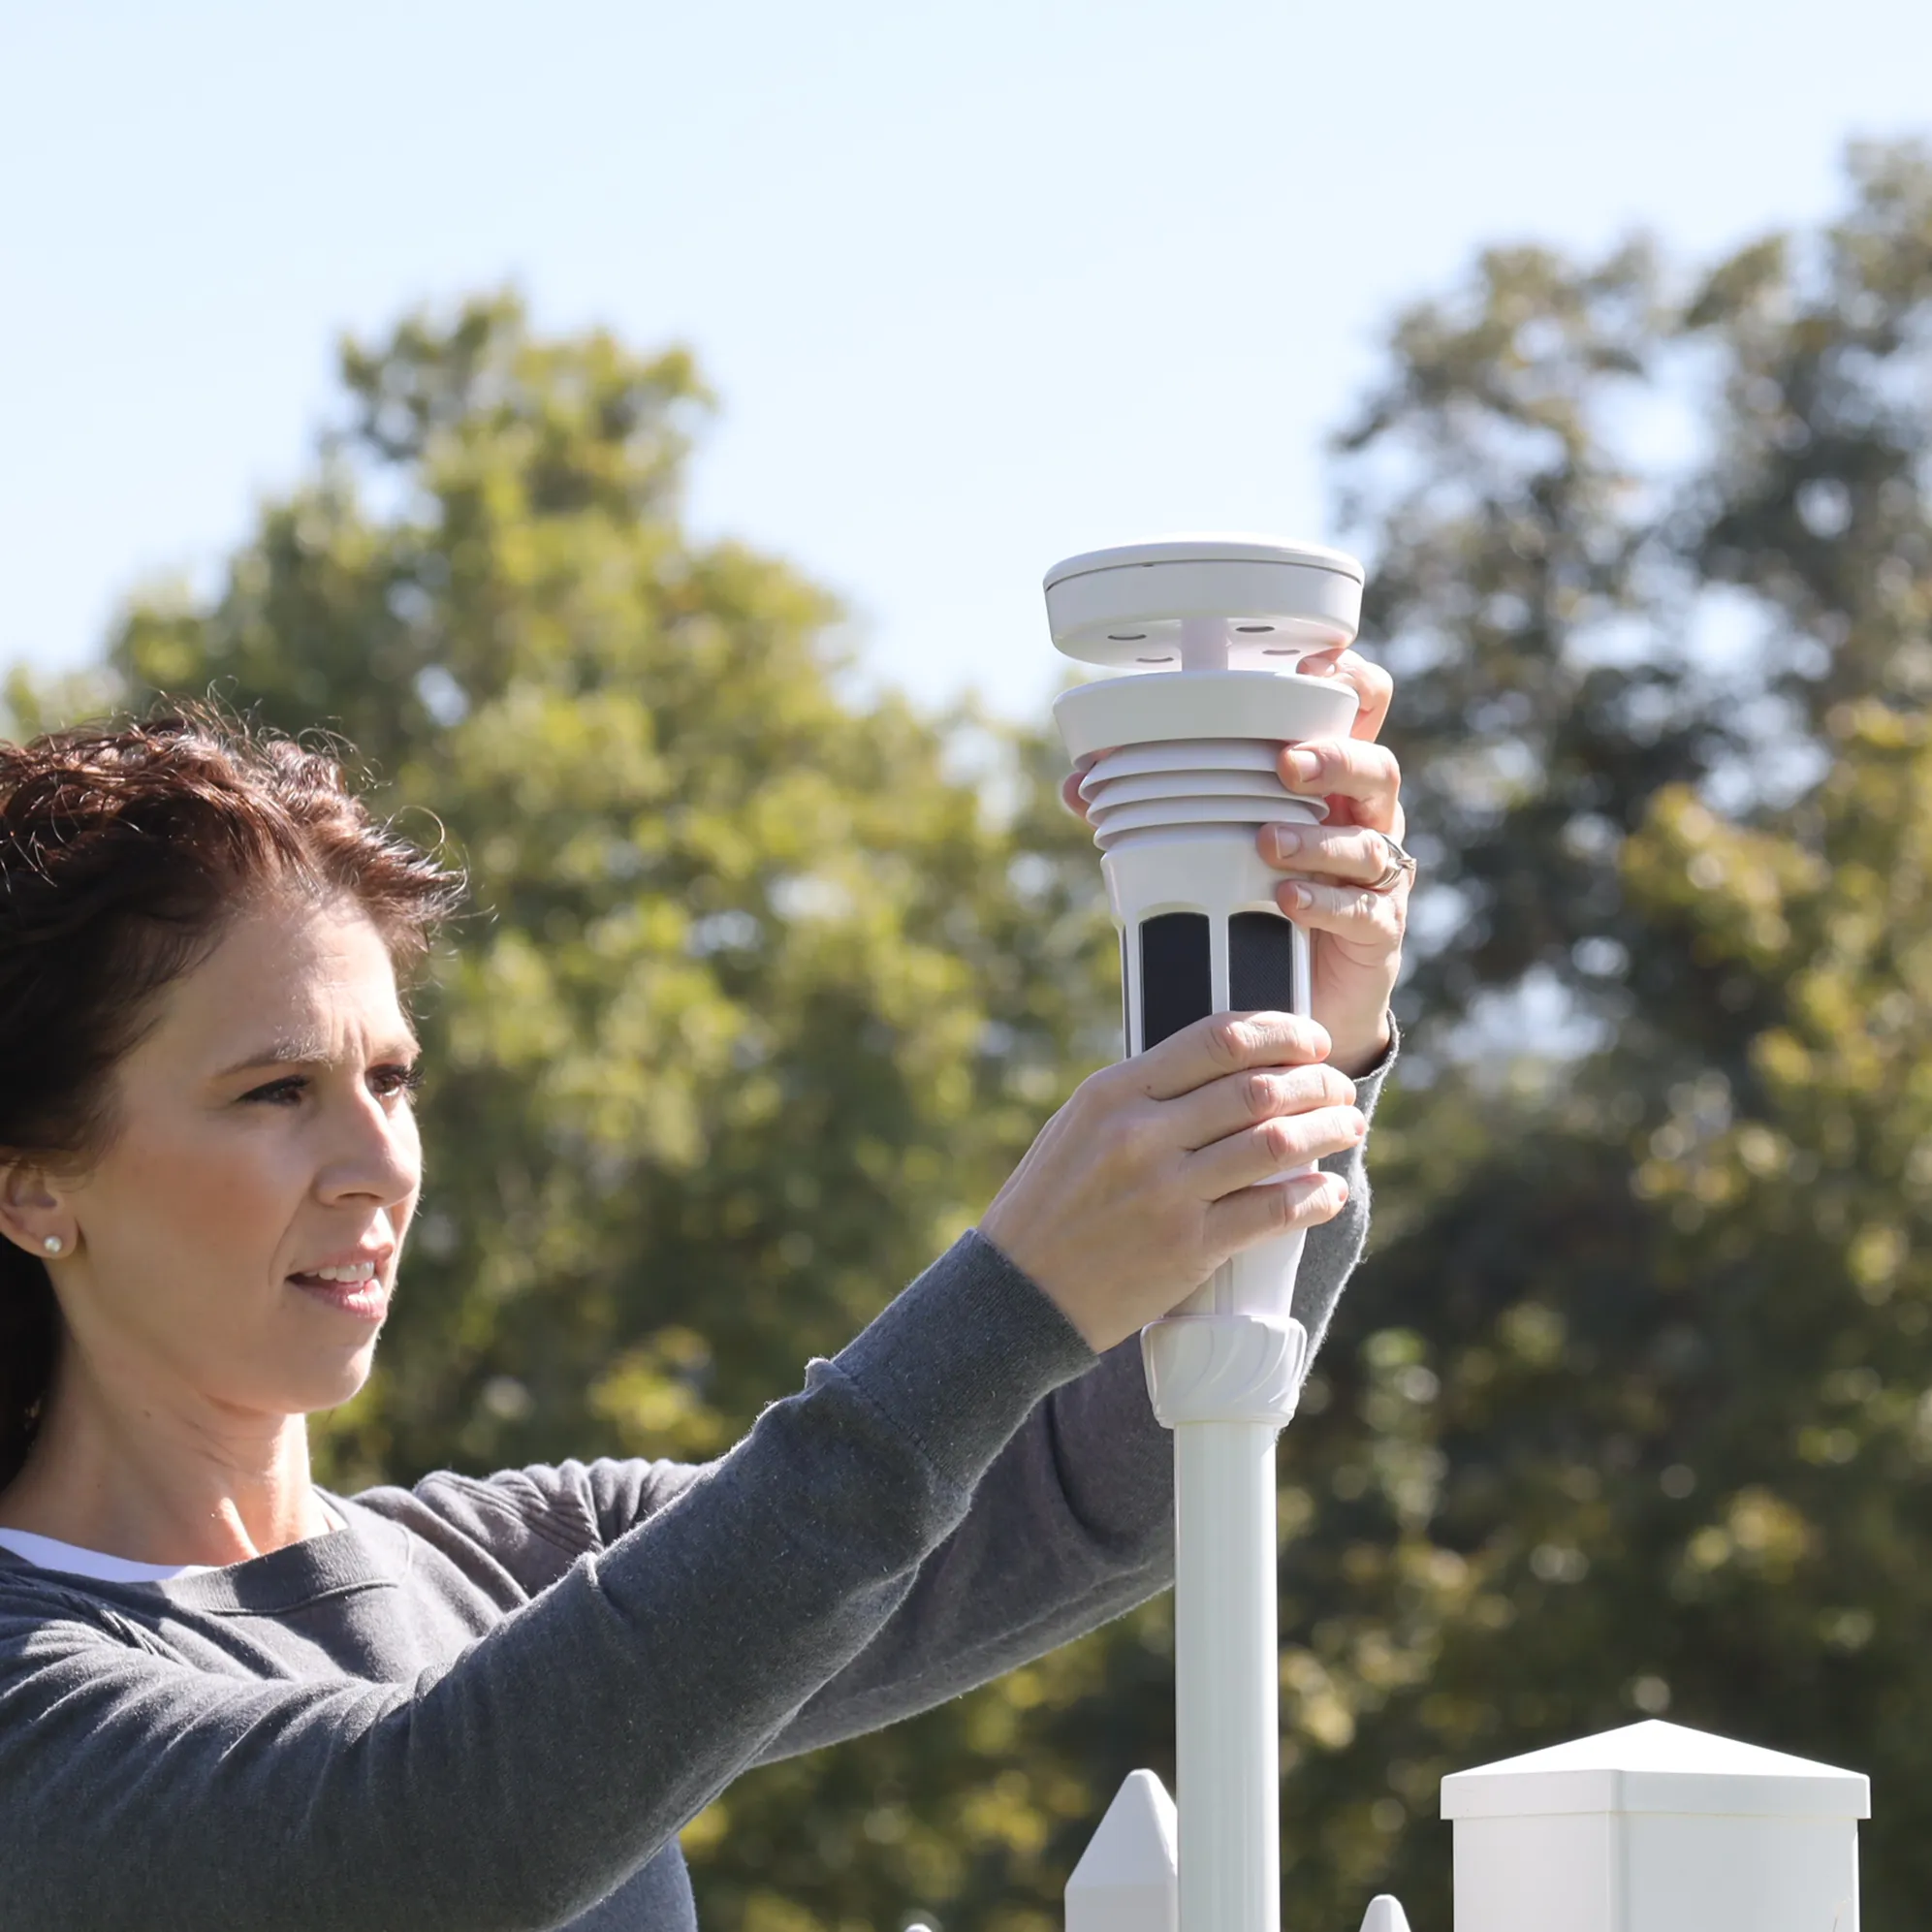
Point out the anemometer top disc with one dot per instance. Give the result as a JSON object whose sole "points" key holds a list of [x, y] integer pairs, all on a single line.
{"points": [[1203, 604]]}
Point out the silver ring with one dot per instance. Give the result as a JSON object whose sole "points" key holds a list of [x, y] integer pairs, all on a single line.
{"points": [[1400, 865]]}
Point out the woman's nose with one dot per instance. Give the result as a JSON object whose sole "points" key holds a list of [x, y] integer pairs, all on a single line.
{"points": [[380, 1156]]}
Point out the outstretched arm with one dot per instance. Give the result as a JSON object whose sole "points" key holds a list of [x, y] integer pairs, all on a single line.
{"points": [[553, 1756], [143, 1786], [1072, 1526]]}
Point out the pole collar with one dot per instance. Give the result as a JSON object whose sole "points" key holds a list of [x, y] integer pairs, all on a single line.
{"points": [[1223, 1367]]}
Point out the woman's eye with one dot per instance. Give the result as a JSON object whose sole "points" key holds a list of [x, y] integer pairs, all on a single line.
{"points": [[384, 1081], [279, 1092]]}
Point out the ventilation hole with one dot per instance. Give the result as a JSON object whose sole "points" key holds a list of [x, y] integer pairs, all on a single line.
{"points": [[1253, 627], [1176, 976], [1127, 637], [1276, 651], [1260, 964], [1154, 660]]}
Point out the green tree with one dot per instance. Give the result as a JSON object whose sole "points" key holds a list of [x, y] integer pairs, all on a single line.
{"points": [[1624, 1416]]}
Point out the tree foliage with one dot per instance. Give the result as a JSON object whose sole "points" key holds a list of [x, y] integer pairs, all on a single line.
{"points": [[1631, 1411]]}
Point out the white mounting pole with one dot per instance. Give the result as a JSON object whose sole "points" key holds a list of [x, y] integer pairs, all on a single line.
{"points": [[1180, 770], [1227, 1665]]}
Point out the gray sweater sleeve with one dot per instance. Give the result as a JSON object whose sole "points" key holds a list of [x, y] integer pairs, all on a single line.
{"points": [[1072, 1525], [804, 1586], [526, 1780]]}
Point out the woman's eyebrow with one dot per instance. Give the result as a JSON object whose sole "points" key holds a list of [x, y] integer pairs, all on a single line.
{"points": [[313, 1053]]}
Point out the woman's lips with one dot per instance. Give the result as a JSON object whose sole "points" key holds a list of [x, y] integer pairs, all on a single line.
{"points": [[366, 1301]]}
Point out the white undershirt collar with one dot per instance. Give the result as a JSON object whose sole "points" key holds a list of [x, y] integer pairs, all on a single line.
{"points": [[47, 1553]]}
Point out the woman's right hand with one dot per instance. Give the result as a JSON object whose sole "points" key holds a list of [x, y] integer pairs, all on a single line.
{"points": [[1160, 1168]]}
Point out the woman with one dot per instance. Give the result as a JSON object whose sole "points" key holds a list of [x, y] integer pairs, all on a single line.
{"points": [[230, 1699]]}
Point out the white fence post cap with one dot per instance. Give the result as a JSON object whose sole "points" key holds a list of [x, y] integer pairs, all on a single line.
{"points": [[1128, 1878], [1657, 1767]]}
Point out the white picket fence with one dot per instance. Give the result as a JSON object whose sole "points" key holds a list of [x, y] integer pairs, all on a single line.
{"points": [[1650, 1828]]}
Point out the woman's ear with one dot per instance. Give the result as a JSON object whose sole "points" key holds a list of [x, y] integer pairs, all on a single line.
{"points": [[33, 1211]]}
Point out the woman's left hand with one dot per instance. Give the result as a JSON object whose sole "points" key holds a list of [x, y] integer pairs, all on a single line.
{"points": [[1357, 931]]}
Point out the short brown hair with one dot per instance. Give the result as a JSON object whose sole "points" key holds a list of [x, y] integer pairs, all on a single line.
{"points": [[124, 849]]}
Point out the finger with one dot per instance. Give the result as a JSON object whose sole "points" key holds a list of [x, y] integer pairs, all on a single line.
{"points": [[1348, 768], [1239, 1100], [1069, 786], [1374, 686], [1259, 1214], [1221, 1044], [1264, 1153], [1346, 811], [1345, 854], [1374, 920]]}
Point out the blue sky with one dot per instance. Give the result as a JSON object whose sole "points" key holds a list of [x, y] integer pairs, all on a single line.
{"points": [[978, 285]]}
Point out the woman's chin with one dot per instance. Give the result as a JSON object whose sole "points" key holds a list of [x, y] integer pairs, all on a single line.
{"points": [[318, 1385]]}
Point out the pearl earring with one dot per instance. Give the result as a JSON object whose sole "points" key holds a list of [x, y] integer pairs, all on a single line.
{"points": [[53, 1243]]}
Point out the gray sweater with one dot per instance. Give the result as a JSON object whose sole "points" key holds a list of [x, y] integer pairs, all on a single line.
{"points": [[491, 1704]]}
